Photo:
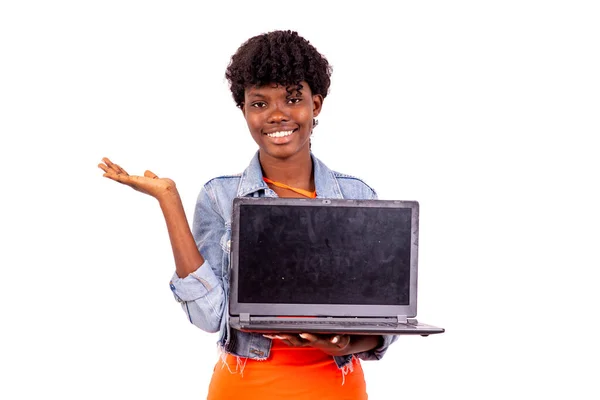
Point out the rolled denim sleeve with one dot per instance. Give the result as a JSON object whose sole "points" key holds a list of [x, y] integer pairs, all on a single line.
{"points": [[198, 284], [202, 293], [378, 352], [201, 297]]}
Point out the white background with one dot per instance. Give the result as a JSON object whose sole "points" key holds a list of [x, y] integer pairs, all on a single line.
{"points": [[484, 112]]}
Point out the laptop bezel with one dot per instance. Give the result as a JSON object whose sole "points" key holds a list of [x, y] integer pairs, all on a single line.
{"points": [[339, 310]]}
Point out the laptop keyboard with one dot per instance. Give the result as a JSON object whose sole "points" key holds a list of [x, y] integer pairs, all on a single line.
{"points": [[322, 322]]}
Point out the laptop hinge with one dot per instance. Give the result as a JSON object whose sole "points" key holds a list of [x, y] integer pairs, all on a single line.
{"points": [[402, 319], [244, 318]]}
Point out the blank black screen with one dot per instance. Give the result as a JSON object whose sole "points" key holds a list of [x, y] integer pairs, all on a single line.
{"points": [[324, 255]]}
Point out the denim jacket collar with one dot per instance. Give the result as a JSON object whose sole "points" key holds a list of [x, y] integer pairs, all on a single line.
{"points": [[326, 185]]}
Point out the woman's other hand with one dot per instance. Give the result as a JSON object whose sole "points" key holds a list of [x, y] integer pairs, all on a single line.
{"points": [[335, 345], [149, 184]]}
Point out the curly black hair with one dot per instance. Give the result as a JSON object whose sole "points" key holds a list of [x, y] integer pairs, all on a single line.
{"points": [[281, 57]]}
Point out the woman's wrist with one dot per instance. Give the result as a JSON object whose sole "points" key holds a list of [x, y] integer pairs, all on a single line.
{"points": [[169, 198]]}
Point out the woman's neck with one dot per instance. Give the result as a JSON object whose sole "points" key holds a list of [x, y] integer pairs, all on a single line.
{"points": [[296, 171]]}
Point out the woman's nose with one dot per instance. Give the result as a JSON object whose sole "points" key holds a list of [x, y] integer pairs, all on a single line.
{"points": [[277, 115]]}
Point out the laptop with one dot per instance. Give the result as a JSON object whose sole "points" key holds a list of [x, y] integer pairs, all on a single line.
{"points": [[325, 266]]}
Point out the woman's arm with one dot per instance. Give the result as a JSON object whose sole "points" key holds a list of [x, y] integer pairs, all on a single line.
{"points": [[187, 257], [195, 285]]}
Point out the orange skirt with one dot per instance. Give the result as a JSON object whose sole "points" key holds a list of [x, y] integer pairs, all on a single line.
{"points": [[291, 373]]}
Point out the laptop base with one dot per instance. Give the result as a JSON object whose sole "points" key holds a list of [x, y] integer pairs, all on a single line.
{"points": [[334, 326]]}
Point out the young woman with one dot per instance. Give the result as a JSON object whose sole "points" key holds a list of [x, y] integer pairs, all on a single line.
{"points": [[279, 81]]}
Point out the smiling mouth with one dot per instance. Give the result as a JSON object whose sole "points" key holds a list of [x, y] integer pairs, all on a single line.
{"points": [[280, 134]]}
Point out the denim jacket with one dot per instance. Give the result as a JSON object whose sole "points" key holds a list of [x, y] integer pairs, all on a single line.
{"points": [[204, 293]]}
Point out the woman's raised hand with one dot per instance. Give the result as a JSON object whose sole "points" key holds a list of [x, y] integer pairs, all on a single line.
{"points": [[149, 184]]}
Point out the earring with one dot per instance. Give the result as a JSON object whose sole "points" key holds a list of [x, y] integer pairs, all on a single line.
{"points": [[315, 122]]}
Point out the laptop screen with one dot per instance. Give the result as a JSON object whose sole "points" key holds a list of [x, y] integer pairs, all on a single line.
{"points": [[324, 255]]}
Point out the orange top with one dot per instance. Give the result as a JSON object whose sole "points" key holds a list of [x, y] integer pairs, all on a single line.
{"points": [[291, 373], [305, 193]]}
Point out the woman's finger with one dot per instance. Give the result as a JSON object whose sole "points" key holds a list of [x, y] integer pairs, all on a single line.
{"points": [[273, 336], [108, 163], [103, 167], [309, 338], [113, 176], [294, 340], [339, 341], [150, 174], [343, 341], [120, 170], [283, 339], [115, 167], [108, 172]]}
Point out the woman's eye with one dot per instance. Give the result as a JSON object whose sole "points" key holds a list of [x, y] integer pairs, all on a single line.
{"points": [[258, 104], [294, 100]]}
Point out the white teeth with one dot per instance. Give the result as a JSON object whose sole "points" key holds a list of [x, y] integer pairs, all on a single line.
{"points": [[280, 134]]}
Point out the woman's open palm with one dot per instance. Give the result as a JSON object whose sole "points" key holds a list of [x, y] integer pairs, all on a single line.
{"points": [[149, 184]]}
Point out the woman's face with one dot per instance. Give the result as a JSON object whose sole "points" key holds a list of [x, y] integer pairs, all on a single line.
{"points": [[280, 119]]}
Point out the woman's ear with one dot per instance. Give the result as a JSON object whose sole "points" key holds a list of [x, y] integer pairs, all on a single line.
{"points": [[317, 104]]}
